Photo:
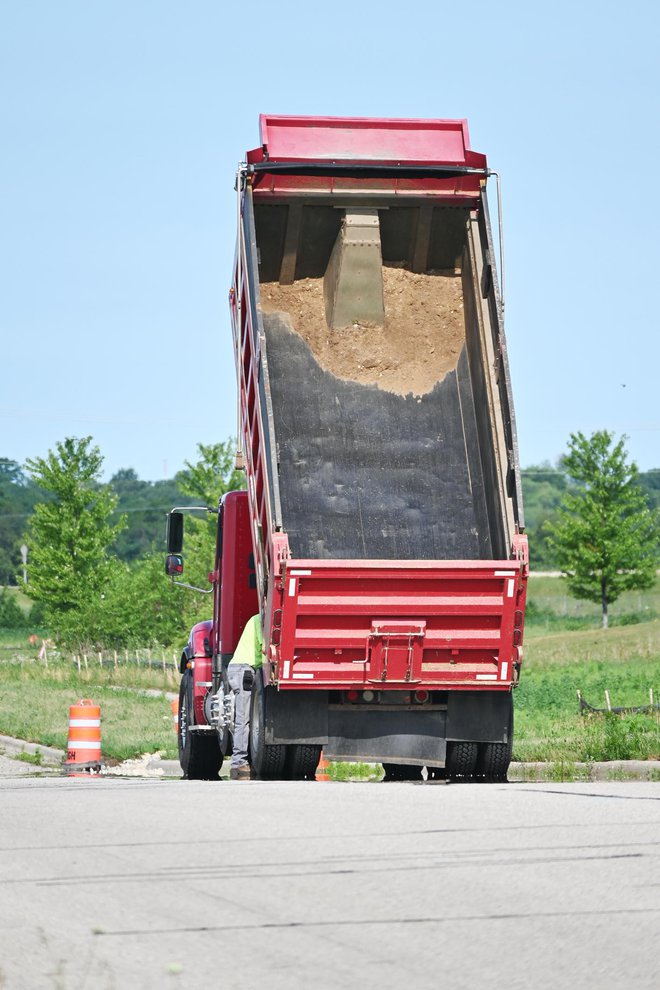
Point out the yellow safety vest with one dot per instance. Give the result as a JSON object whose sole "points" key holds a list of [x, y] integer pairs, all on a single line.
{"points": [[250, 645]]}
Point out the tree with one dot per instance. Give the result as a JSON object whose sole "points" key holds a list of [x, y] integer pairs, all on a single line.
{"points": [[206, 481], [542, 487], [12, 615], [69, 536], [606, 536], [145, 504], [137, 608], [18, 495], [212, 475]]}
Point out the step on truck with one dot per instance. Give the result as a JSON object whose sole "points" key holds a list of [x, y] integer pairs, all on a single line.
{"points": [[380, 535]]}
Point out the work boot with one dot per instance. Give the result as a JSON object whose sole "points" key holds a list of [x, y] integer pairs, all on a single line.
{"points": [[240, 773]]}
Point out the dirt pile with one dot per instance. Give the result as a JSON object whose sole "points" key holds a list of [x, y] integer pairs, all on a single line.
{"points": [[420, 342]]}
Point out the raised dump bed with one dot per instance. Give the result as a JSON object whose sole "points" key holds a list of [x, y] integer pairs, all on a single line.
{"points": [[387, 433]]}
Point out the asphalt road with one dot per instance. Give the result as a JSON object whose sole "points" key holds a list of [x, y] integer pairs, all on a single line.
{"points": [[112, 883]]}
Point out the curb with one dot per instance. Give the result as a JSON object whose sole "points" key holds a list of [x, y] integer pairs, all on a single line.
{"points": [[149, 766], [13, 747]]}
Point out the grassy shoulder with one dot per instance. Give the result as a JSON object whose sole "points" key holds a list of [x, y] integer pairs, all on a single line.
{"points": [[624, 660], [35, 700]]}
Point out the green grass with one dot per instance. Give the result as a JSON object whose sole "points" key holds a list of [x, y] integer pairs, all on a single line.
{"points": [[354, 771], [17, 640], [35, 700], [624, 661], [550, 605]]}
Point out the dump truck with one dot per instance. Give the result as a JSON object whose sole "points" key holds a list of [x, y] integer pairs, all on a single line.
{"points": [[380, 535]]}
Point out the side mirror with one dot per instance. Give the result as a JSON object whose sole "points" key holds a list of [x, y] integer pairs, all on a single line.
{"points": [[248, 680], [173, 564], [175, 532]]}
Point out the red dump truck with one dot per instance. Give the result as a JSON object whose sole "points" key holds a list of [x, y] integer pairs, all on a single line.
{"points": [[380, 535]]}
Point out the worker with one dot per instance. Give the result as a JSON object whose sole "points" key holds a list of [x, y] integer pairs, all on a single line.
{"points": [[247, 655]]}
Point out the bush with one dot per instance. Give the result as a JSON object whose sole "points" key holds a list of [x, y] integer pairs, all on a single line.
{"points": [[138, 605], [12, 615]]}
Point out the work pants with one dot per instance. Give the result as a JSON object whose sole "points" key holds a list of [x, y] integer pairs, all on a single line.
{"points": [[235, 671]]}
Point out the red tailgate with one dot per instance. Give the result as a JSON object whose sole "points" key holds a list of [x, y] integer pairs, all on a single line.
{"points": [[424, 624]]}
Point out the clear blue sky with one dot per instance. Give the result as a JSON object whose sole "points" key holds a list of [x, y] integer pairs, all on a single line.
{"points": [[122, 124]]}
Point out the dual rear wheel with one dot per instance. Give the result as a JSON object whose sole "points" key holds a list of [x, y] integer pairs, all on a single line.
{"points": [[487, 761], [279, 761], [466, 761]]}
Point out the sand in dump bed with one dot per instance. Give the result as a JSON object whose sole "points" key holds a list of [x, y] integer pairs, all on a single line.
{"points": [[421, 341]]}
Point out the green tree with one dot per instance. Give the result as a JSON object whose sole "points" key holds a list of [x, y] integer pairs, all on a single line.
{"points": [[543, 487], [606, 536], [137, 608], [18, 495], [650, 482], [69, 537], [206, 481], [145, 504], [212, 475], [12, 615]]}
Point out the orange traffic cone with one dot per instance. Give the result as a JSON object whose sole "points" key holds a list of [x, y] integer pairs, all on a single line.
{"points": [[322, 769], [84, 745], [175, 714]]}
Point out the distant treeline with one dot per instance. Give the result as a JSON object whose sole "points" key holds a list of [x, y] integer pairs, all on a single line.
{"points": [[543, 487], [145, 504]]}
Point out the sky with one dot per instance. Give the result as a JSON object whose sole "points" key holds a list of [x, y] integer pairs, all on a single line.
{"points": [[122, 125]]}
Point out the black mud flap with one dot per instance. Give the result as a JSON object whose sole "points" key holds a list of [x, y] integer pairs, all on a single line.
{"points": [[479, 716], [375, 736], [297, 717]]}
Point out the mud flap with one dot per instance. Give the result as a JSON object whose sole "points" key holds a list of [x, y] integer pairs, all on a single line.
{"points": [[297, 717]]}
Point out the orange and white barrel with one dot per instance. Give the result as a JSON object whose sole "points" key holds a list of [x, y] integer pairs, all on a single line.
{"points": [[175, 714], [84, 745]]}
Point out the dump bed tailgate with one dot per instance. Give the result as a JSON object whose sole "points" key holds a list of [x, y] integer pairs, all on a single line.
{"points": [[439, 625]]}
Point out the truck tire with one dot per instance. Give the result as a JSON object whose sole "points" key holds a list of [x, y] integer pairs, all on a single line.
{"points": [[267, 761], [495, 757], [461, 760], [200, 755], [301, 762]]}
